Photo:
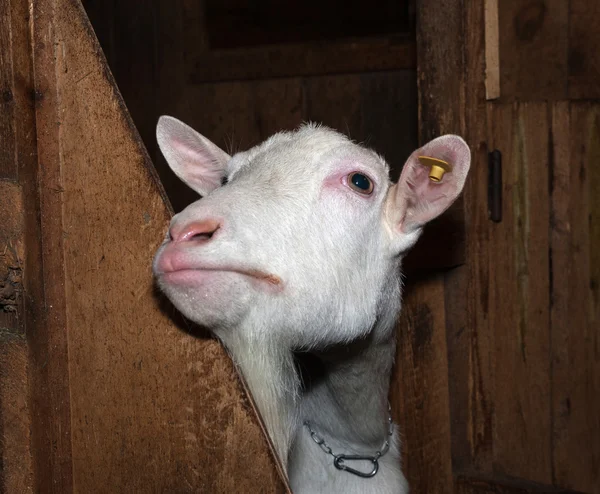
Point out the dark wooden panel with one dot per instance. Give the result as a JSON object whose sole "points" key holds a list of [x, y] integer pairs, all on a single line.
{"points": [[335, 101], [388, 104], [584, 56], [238, 23], [574, 290], [278, 105], [469, 337], [419, 393], [136, 404], [480, 485], [519, 296], [534, 43], [8, 166], [335, 57]]}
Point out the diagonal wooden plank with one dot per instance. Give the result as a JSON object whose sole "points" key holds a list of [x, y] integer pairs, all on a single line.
{"points": [[135, 404]]}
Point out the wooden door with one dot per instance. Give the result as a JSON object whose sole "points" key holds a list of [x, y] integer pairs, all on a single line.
{"points": [[522, 315]]}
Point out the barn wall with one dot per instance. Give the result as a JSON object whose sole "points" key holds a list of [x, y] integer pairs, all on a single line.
{"points": [[101, 390]]}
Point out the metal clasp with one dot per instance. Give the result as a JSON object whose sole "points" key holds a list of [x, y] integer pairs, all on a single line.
{"points": [[338, 462]]}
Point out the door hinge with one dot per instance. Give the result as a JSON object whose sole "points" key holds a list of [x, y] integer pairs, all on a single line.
{"points": [[495, 186]]}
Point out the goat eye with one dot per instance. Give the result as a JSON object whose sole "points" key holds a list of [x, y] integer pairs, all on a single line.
{"points": [[360, 183], [224, 180]]}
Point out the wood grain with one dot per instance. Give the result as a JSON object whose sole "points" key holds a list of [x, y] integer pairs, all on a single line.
{"points": [[494, 485], [492, 50], [584, 58], [534, 46], [519, 296], [304, 59], [137, 405], [469, 338], [419, 394], [575, 322]]}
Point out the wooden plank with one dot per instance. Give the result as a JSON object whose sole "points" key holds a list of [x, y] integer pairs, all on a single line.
{"points": [[534, 49], [8, 165], [389, 109], [19, 248], [16, 472], [419, 392], [519, 296], [49, 347], [584, 58], [12, 257], [141, 406], [278, 105], [574, 310], [493, 485], [470, 340], [304, 59], [335, 101], [492, 50], [441, 86]]}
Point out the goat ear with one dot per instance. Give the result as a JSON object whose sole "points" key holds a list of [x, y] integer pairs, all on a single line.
{"points": [[416, 199], [194, 159]]}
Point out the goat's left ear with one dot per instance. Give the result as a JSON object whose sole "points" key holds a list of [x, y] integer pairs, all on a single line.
{"points": [[416, 199]]}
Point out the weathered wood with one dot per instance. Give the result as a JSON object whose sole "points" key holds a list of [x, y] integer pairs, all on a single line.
{"points": [[534, 45], [493, 485], [16, 473], [304, 59], [231, 24], [19, 248], [575, 322], [468, 335], [492, 50], [334, 100], [519, 296], [15, 423], [133, 403], [8, 166], [584, 58], [389, 114], [419, 393]]}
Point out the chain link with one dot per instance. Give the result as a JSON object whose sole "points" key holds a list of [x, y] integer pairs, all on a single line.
{"points": [[320, 441]]}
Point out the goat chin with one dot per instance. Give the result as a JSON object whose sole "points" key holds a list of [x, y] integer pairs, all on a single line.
{"points": [[292, 258]]}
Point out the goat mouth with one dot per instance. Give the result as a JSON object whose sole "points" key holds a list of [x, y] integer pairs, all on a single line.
{"points": [[271, 279]]}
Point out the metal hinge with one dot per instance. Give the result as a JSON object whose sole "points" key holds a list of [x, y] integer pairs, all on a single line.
{"points": [[495, 186]]}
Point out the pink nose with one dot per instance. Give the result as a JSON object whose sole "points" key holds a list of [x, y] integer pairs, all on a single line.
{"points": [[197, 230]]}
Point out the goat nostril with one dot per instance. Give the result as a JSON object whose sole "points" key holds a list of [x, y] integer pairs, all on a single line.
{"points": [[200, 231], [201, 236]]}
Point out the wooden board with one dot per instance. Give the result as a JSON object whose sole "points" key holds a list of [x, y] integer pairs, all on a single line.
{"points": [[419, 393], [584, 57], [574, 289], [468, 335], [493, 485], [534, 44], [123, 399], [519, 295]]}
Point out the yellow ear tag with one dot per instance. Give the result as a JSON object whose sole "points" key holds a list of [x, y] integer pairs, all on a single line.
{"points": [[437, 167]]}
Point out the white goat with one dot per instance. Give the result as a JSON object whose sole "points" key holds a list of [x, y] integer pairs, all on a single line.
{"points": [[292, 258]]}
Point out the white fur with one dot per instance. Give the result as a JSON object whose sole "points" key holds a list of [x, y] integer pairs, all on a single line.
{"points": [[288, 212]]}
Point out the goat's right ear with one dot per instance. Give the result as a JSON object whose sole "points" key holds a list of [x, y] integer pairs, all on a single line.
{"points": [[194, 159]]}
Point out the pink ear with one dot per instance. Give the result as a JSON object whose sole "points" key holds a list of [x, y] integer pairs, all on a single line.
{"points": [[416, 199], [194, 159]]}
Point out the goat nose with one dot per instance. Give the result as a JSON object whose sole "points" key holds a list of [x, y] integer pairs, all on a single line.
{"points": [[196, 230]]}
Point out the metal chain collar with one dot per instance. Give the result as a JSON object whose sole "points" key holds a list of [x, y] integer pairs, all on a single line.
{"points": [[339, 459]]}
